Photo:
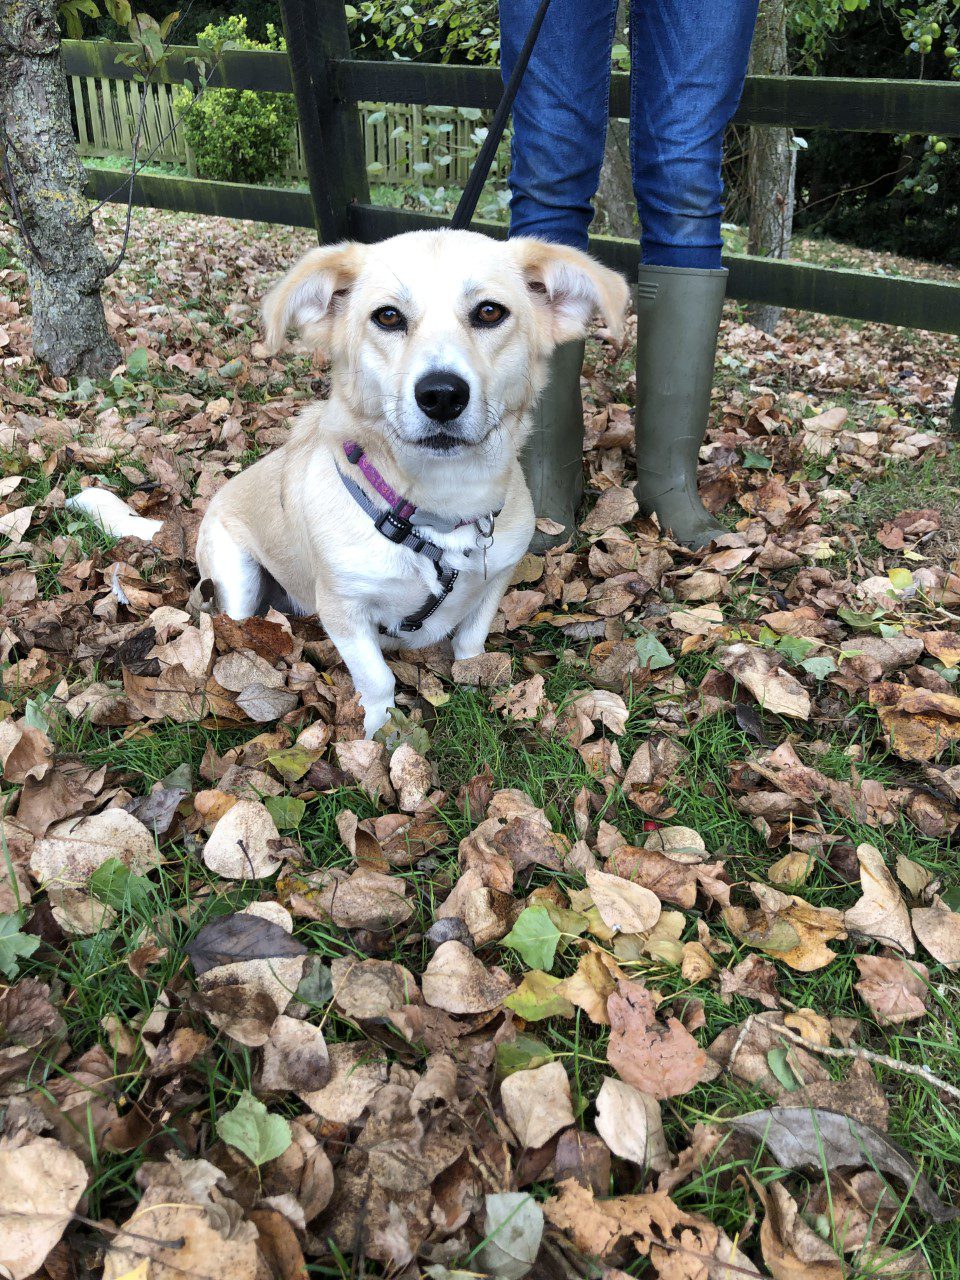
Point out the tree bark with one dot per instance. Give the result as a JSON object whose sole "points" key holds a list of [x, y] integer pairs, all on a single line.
{"points": [[771, 159], [615, 200], [43, 182]]}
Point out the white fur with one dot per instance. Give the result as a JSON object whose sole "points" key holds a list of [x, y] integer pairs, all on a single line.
{"points": [[286, 531], [112, 514]]}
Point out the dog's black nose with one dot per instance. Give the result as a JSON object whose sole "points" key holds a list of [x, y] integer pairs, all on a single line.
{"points": [[442, 396]]}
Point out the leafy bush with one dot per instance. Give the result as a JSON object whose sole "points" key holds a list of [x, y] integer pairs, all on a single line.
{"points": [[238, 135]]}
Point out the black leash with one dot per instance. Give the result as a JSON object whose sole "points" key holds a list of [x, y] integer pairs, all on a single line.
{"points": [[463, 215]]}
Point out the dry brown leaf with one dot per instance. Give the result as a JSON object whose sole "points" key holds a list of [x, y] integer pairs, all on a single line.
{"points": [[457, 982], [938, 929], [71, 851], [662, 1060], [244, 843], [295, 1057], [41, 1183], [364, 899], [411, 776], [920, 723], [484, 671], [788, 927], [630, 1123], [537, 1104], [198, 1230], [25, 752], [615, 506], [895, 989], [357, 1073], [881, 913], [624, 906], [774, 689], [592, 984]]}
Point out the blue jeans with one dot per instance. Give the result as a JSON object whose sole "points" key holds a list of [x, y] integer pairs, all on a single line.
{"points": [[688, 60]]}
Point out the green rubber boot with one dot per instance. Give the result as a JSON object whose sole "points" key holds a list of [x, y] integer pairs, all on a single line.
{"points": [[553, 456], [678, 318]]}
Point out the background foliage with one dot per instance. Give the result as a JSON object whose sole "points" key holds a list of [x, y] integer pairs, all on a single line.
{"points": [[894, 193]]}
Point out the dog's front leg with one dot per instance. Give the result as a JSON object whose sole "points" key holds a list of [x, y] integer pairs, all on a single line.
{"points": [[471, 635], [373, 680]]}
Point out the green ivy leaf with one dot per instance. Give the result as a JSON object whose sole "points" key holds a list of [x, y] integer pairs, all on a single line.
{"points": [[114, 884], [534, 937], [651, 652], [256, 1133], [137, 361], [819, 668], [14, 945], [796, 648], [523, 1053], [756, 461], [286, 811]]}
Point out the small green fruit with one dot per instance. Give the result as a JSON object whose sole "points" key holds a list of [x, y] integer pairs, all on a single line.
{"points": [[951, 51], [940, 148]]}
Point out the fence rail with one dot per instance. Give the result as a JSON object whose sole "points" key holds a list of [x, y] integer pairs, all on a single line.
{"points": [[329, 86], [398, 139]]}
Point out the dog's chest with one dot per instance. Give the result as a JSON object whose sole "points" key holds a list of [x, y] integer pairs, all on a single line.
{"points": [[404, 581]]}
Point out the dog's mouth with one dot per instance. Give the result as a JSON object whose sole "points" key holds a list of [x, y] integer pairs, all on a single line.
{"points": [[442, 442]]}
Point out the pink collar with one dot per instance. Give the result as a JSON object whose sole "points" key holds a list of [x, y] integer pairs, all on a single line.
{"points": [[355, 455]]}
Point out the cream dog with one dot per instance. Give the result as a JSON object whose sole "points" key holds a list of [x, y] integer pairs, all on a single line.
{"points": [[397, 511]]}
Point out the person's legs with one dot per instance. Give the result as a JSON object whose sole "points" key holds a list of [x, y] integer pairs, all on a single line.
{"points": [[560, 115], [688, 58], [559, 130]]}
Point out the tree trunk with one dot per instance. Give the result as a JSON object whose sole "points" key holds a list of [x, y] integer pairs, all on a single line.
{"points": [[43, 182], [615, 200], [772, 160]]}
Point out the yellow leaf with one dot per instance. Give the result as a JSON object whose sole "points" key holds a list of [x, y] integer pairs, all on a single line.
{"points": [[140, 1272], [901, 578]]}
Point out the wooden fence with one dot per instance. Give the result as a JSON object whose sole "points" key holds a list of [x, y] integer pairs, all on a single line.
{"points": [[402, 143], [329, 85]]}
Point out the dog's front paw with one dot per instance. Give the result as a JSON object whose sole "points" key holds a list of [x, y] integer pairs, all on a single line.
{"points": [[375, 718]]}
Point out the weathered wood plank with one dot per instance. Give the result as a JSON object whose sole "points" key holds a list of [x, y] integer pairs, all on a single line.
{"points": [[856, 295], [921, 304], [317, 33], [805, 102], [264, 69], [197, 195]]}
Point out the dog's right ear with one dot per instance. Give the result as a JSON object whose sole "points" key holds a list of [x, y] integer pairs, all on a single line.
{"points": [[304, 298]]}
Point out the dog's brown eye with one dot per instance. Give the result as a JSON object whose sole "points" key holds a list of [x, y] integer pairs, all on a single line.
{"points": [[487, 314], [389, 318]]}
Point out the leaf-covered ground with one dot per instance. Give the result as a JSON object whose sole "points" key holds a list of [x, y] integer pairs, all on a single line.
{"points": [[632, 950]]}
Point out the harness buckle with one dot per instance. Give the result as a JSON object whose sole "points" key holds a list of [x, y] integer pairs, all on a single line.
{"points": [[393, 527]]}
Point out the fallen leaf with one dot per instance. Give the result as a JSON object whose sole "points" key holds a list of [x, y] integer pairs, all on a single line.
{"points": [[536, 1103], [241, 936], [295, 1058], [539, 996], [41, 1183], [243, 845], [938, 929], [534, 937], [250, 1128], [630, 1123], [881, 913], [775, 689], [661, 1060], [624, 906], [895, 990], [411, 777], [457, 982], [512, 1231], [815, 1139]]}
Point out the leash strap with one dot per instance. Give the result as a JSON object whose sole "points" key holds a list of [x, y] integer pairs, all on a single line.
{"points": [[467, 207]]}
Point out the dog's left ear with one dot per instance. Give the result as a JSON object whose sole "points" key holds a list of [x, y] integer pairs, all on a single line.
{"points": [[305, 297], [573, 285]]}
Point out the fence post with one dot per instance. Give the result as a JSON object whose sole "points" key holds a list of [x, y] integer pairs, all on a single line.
{"points": [[316, 32]]}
